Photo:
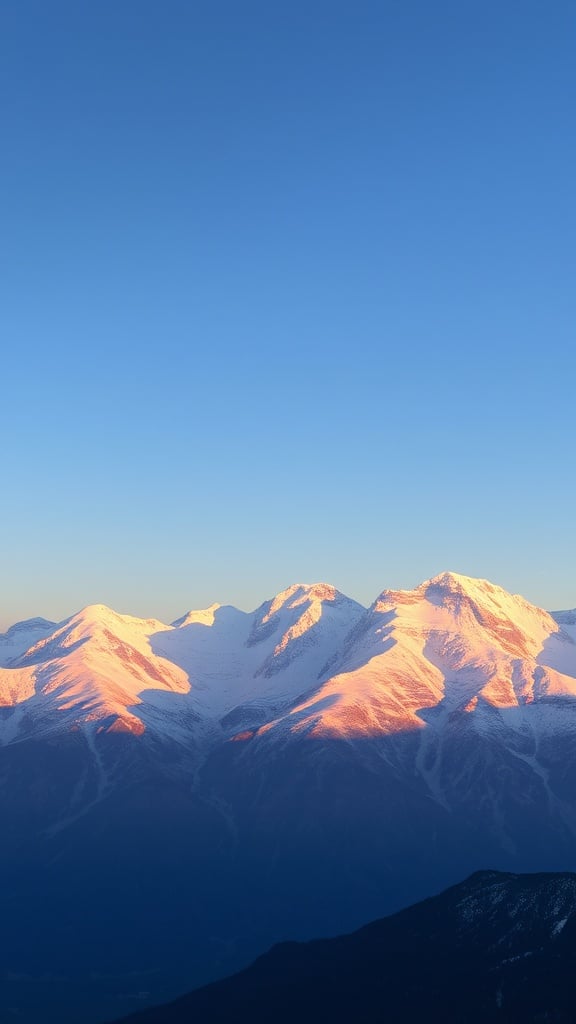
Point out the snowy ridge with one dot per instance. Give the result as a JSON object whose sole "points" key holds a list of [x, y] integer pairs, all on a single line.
{"points": [[310, 662]]}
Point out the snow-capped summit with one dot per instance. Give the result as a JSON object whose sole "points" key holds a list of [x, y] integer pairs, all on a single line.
{"points": [[92, 670], [301, 618]]}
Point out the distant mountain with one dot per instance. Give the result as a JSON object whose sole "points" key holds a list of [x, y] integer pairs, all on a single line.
{"points": [[497, 947], [177, 797], [21, 636]]}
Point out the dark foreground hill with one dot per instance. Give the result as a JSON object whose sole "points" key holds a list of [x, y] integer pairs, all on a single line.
{"points": [[497, 947]]}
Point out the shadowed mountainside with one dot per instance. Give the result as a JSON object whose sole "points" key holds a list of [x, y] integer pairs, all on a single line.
{"points": [[497, 947]]}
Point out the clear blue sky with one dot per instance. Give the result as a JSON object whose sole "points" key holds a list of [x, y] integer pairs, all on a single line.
{"points": [[287, 293]]}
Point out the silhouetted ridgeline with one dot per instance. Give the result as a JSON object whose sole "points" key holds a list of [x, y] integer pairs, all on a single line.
{"points": [[497, 947]]}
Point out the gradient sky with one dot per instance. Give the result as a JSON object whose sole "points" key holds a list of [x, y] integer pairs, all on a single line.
{"points": [[287, 293]]}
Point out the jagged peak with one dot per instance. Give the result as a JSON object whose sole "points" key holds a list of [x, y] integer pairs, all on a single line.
{"points": [[469, 586], [300, 593], [482, 594], [296, 612], [456, 581], [452, 585]]}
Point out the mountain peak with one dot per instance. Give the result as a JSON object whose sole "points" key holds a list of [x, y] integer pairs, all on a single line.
{"points": [[303, 616], [299, 593], [203, 616], [456, 583], [101, 616], [486, 601], [449, 587], [96, 613], [450, 578]]}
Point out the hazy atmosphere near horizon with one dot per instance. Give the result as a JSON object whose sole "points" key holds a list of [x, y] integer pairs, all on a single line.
{"points": [[287, 294]]}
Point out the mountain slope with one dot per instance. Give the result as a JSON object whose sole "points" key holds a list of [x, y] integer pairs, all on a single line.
{"points": [[496, 947], [92, 669]]}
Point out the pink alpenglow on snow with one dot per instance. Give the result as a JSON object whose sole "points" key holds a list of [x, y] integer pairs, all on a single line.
{"points": [[311, 662]]}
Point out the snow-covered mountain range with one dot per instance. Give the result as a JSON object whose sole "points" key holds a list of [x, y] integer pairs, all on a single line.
{"points": [[309, 662], [235, 778]]}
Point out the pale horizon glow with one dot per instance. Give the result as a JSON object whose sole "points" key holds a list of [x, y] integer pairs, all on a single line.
{"points": [[288, 295]]}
